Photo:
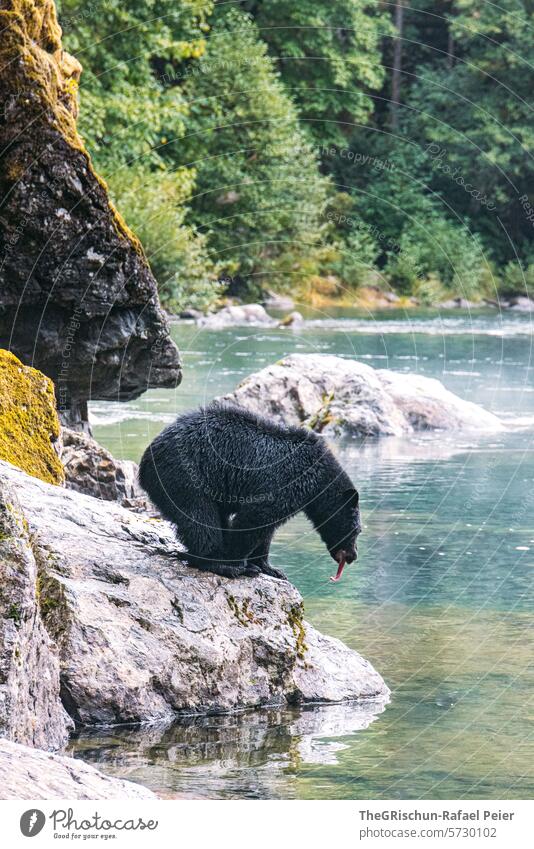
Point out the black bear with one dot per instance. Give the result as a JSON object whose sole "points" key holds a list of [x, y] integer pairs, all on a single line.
{"points": [[227, 478]]}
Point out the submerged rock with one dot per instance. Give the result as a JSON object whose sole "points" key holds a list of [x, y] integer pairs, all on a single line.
{"points": [[334, 395], [91, 469], [141, 636], [29, 425], [294, 319], [77, 297], [30, 774], [234, 316]]}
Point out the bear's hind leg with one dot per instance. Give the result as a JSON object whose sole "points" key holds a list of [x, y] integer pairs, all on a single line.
{"points": [[199, 528]]}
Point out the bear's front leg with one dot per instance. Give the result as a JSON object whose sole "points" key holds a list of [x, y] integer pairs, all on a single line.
{"points": [[260, 557]]}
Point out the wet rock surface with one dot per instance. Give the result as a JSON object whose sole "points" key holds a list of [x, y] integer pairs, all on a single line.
{"points": [[140, 636], [338, 396]]}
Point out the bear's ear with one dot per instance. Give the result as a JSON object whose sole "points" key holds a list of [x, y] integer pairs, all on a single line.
{"points": [[351, 496]]}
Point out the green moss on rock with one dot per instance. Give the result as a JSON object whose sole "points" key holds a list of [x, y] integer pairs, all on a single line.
{"points": [[295, 619], [28, 420], [241, 612]]}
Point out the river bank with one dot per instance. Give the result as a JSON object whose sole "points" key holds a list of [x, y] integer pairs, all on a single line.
{"points": [[439, 600]]}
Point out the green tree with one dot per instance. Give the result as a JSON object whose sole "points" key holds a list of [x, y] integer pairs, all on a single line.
{"points": [[329, 55], [129, 51], [474, 122], [131, 111], [259, 195]]}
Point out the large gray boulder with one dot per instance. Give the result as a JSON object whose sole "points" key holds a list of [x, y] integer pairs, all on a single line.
{"points": [[335, 396], [142, 637], [27, 773], [521, 303]]}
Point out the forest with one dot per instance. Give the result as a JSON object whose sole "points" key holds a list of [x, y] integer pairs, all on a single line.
{"points": [[315, 148]]}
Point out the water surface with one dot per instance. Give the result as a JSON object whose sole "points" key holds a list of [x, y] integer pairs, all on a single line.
{"points": [[440, 601]]}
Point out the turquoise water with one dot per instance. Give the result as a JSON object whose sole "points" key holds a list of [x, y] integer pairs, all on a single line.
{"points": [[440, 600]]}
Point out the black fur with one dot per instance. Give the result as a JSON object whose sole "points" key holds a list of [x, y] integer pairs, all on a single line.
{"points": [[227, 478]]}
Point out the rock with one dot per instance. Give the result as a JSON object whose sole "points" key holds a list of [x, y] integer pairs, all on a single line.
{"points": [[30, 774], [29, 425], [30, 708], [191, 313], [521, 304], [142, 636], [77, 297], [391, 297], [458, 304], [294, 319], [336, 396], [274, 301], [91, 469], [234, 316]]}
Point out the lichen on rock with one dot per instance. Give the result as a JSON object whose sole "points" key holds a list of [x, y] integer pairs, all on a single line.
{"points": [[29, 424]]}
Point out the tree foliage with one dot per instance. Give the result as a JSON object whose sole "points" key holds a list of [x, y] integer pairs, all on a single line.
{"points": [[329, 55], [259, 143], [259, 195]]}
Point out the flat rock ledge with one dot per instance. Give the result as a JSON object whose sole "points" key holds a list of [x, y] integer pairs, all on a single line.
{"points": [[138, 636], [27, 773], [339, 396]]}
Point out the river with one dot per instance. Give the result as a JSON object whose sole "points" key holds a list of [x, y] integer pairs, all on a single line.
{"points": [[440, 600]]}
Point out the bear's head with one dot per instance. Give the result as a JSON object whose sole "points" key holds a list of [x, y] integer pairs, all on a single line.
{"points": [[340, 530]]}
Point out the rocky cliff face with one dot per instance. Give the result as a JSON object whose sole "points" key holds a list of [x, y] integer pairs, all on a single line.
{"points": [[337, 396], [77, 298], [142, 637]]}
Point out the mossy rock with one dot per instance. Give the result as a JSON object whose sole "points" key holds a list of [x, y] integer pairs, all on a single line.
{"points": [[29, 423]]}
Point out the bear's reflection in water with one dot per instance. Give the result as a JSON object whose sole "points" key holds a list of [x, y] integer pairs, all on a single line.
{"points": [[251, 754]]}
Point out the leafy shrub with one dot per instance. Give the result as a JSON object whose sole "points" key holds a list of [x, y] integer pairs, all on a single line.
{"points": [[153, 206], [442, 249], [517, 279]]}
